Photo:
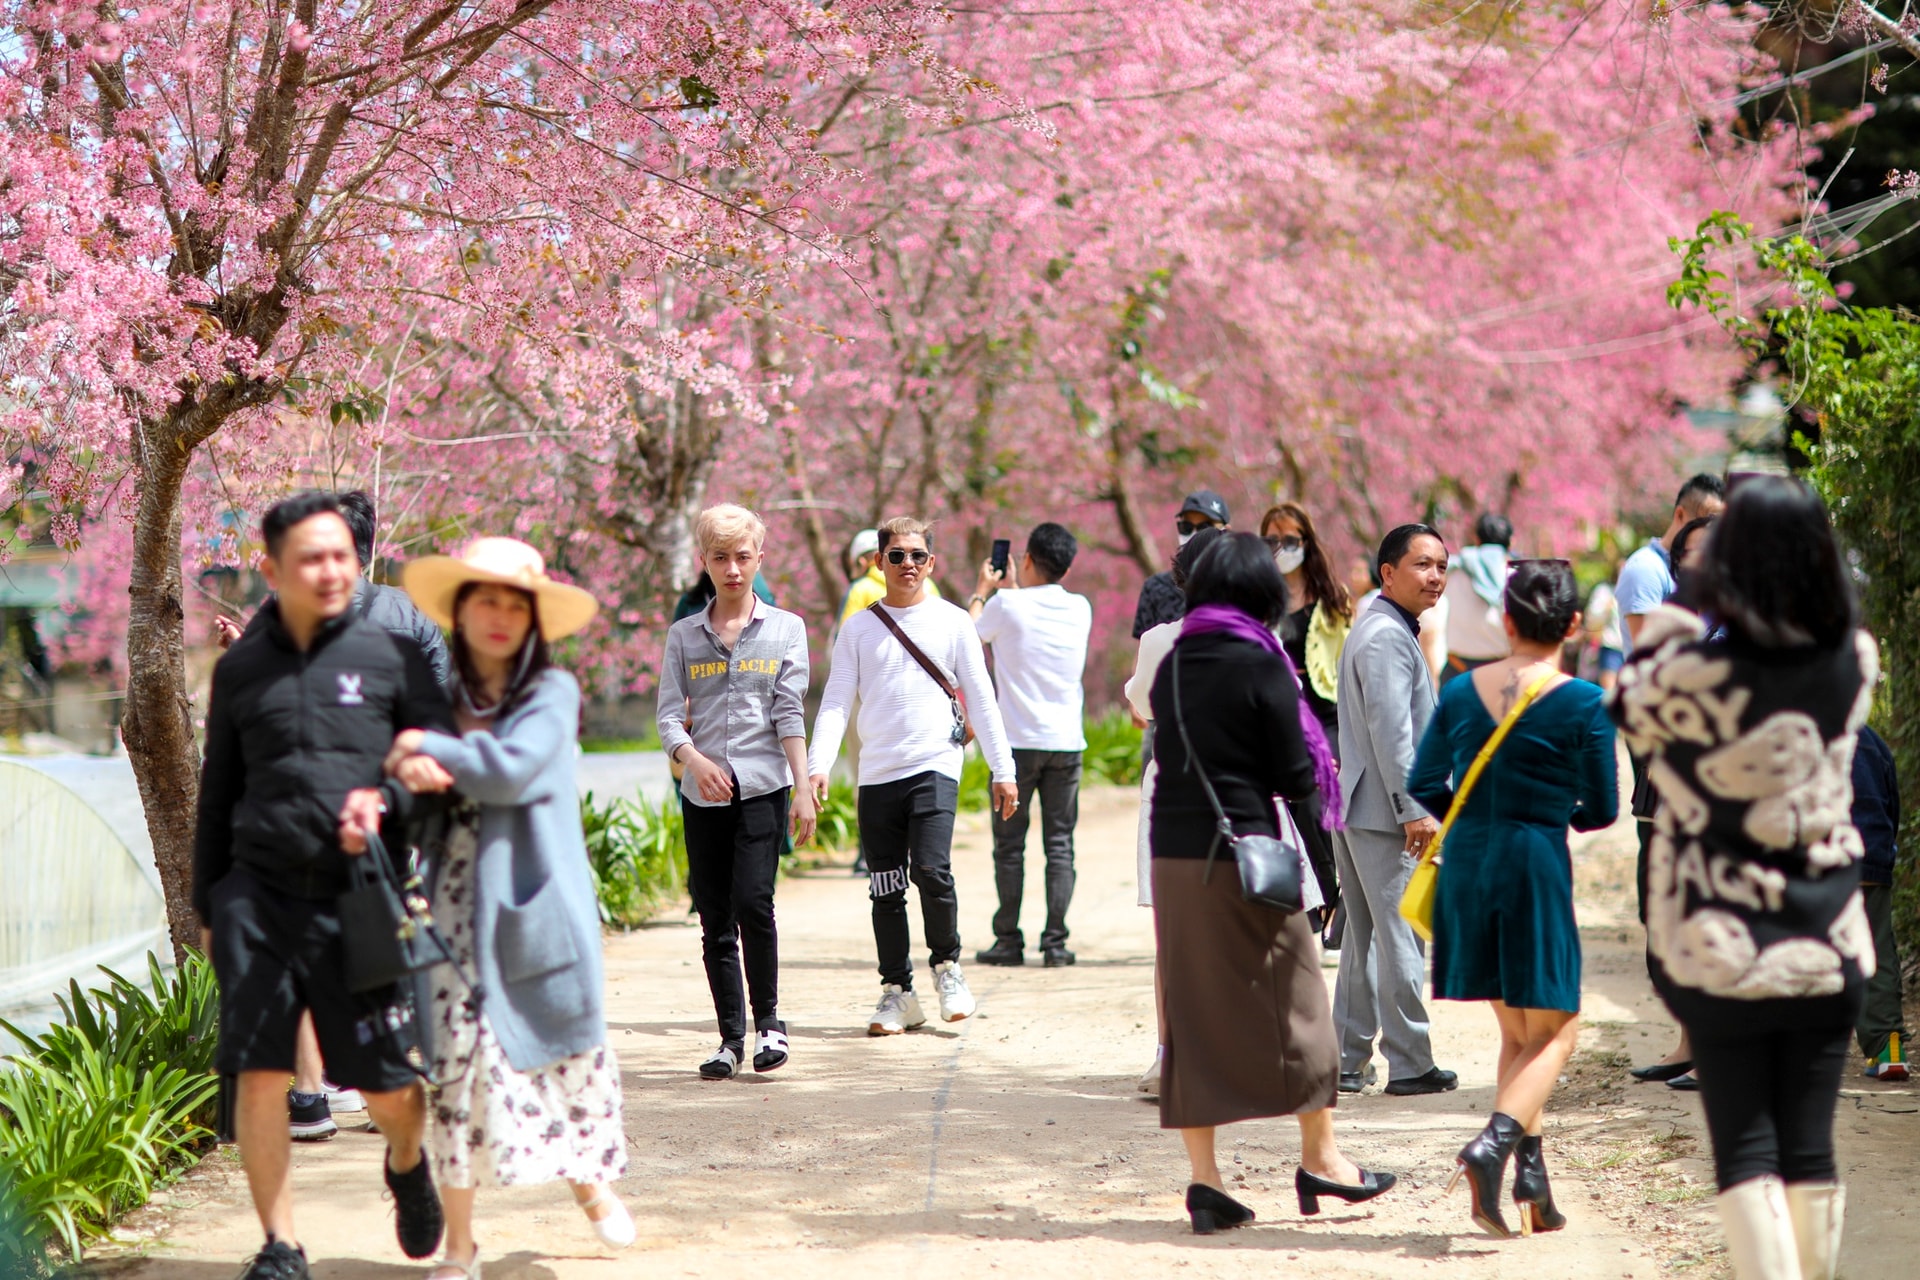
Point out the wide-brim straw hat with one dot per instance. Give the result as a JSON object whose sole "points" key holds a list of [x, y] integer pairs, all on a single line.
{"points": [[434, 581]]}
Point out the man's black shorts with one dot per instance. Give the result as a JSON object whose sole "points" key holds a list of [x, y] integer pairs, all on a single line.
{"points": [[274, 956]]}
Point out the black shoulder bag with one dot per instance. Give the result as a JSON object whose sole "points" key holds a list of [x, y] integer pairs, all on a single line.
{"points": [[1269, 865]]}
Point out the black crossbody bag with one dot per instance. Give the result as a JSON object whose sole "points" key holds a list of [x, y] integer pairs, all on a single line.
{"points": [[1269, 865]]}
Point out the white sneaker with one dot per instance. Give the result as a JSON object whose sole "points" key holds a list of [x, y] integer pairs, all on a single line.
{"points": [[898, 1010], [343, 1099], [1150, 1078], [956, 1002]]}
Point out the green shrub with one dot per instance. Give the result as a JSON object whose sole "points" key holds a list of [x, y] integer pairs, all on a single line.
{"points": [[99, 1109], [838, 826], [1113, 750], [975, 778], [638, 852]]}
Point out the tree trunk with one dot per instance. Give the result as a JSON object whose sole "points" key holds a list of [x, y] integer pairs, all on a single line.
{"points": [[157, 724], [826, 561], [1126, 507]]}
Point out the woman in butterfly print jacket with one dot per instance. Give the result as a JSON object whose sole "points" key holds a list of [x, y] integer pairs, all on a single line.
{"points": [[1754, 918]]}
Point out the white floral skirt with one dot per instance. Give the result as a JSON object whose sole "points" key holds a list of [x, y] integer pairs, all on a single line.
{"points": [[493, 1125]]}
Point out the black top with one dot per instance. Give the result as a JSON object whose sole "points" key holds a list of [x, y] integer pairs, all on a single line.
{"points": [[1160, 601], [1876, 806], [1293, 638], [393, 611], [1243, 715], [1407, 615], [288, 735], [1754, 916]]}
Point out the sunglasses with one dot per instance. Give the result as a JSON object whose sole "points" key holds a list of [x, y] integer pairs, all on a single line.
{"points": [[897, 556], [1284, 544]]}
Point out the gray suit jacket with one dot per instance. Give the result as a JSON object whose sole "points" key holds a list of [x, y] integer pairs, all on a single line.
{"points": [[1386, 699]]}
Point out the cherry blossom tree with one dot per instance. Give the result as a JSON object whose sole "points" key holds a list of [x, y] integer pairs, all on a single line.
{"points": [[210, 212]]}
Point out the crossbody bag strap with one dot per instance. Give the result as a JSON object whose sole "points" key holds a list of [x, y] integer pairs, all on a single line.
{"points": [[1224, 826], [1481, 760], [914, 651]]}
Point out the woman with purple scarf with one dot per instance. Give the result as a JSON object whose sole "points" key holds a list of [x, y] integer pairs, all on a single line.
{"points": [[1248, 1030]]}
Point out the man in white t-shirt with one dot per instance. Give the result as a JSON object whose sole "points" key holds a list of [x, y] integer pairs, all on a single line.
{"points": [[909, 661], [1039, 634]]}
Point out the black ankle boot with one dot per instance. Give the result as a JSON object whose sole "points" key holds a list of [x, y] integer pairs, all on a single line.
{"points": [[1483, 1163], [1531, 1194], [1213, 1211]]}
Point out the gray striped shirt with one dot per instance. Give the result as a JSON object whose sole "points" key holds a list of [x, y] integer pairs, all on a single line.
{"points": [[736, 707]]}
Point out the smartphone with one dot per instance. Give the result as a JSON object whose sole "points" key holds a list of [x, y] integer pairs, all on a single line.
{"points": [[1002, 548]]}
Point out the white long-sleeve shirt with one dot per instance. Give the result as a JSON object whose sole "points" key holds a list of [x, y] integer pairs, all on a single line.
{"points": [[905, 722]]}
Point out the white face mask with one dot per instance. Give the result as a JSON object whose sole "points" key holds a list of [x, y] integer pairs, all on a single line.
{"points": [[1186, 535], [1289, 561]]}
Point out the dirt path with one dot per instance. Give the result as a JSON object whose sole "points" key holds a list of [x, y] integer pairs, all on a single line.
{"points": [[1015, 1143]]}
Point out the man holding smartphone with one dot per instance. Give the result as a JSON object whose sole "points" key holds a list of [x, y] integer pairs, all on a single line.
{"points": [[916, 669], [1039, 632]]}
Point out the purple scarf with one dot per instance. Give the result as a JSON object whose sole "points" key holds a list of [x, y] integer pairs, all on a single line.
{"points": [[1225, 619]]}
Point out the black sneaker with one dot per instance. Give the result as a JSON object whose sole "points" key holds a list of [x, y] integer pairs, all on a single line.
{"points": [[416, 1208], [1357, 1081], [1056, 957], [309, 1118], [1434, 1081], [277, 1260], [1005, 954]]}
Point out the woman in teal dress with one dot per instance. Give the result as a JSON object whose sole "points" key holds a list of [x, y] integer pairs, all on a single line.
{"points": [[1503, 924]]}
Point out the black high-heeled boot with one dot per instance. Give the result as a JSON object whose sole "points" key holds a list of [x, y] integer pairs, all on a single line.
{"points": [[1483, 1163], [1213, 1211], [1531, 1194]]}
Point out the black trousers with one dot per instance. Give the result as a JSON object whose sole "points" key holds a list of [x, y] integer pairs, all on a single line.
{"points": [[906, 835], [733, 857], [1769, 1099], [1055, 777]]}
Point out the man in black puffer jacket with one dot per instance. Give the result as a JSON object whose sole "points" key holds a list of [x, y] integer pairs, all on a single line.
{"points": [[303, 711]]}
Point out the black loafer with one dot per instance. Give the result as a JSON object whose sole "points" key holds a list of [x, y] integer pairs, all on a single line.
{"points": [[1688, 1083], [1434, 1081], [1357, 1081], [1056, 957], [1005, 954], [1661, 1071]]}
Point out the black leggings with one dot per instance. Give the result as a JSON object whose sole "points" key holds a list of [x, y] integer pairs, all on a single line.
{"points": [[1769, 1099]]}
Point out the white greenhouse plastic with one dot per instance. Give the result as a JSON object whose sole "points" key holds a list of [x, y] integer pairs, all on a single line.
{"points": [[78, 885]]}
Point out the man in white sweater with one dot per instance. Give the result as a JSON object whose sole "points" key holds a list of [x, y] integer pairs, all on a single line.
{"points": [[912, 735]]}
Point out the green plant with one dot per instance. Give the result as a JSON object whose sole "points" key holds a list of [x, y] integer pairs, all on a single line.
{"points": [[838, 825], [637, 850], [1113, 750], [1856, 371], [98, 1109], [975, 776]]}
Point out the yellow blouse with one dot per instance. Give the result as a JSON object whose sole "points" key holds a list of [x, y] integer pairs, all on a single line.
{"points": [[1326, 636]]}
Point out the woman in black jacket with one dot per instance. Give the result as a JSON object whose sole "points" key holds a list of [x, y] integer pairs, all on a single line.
{"points": [[1760, 943], [1249, 1032]]}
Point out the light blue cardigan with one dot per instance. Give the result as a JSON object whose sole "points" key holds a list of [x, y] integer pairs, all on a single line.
{"points": [[536, 919]]}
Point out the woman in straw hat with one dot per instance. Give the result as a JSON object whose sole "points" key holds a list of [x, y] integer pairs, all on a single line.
{"points": [[531, 1090]]}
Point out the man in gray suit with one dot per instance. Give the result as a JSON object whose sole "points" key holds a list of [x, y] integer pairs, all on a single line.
{"points": [[1386, 699]]}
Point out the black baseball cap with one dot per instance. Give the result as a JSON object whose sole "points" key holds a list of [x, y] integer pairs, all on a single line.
{"points": [[1207, 503]]}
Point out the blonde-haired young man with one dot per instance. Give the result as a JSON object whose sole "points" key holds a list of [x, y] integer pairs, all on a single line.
{"points": [[911, 739], [732, 685]]}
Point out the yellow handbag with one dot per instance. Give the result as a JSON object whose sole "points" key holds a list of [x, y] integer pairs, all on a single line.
{"points": [[1423, 886]]}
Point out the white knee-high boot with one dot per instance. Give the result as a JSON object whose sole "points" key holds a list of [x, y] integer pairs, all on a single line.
{"points": [[1759, 1227], [1817, 1209]]}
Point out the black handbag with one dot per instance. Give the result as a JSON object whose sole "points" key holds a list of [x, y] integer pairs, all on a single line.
{"points": [[1269, 865], [386, 925]]}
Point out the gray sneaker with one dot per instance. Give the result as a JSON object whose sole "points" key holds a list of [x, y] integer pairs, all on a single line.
{"points": [[898, 1011]]}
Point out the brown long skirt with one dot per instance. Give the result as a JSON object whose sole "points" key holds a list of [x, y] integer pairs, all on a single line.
{"points": [[1249, 1032]]}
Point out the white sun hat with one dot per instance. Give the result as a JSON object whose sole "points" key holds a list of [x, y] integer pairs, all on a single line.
{"points": [[865, 543], [434, 581]]}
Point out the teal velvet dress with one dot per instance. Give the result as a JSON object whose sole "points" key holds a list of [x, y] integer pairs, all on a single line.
{"points": [[1503, 926]]}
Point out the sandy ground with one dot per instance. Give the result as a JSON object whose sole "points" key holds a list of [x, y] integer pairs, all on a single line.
{"points": [[1016, 1143]]}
